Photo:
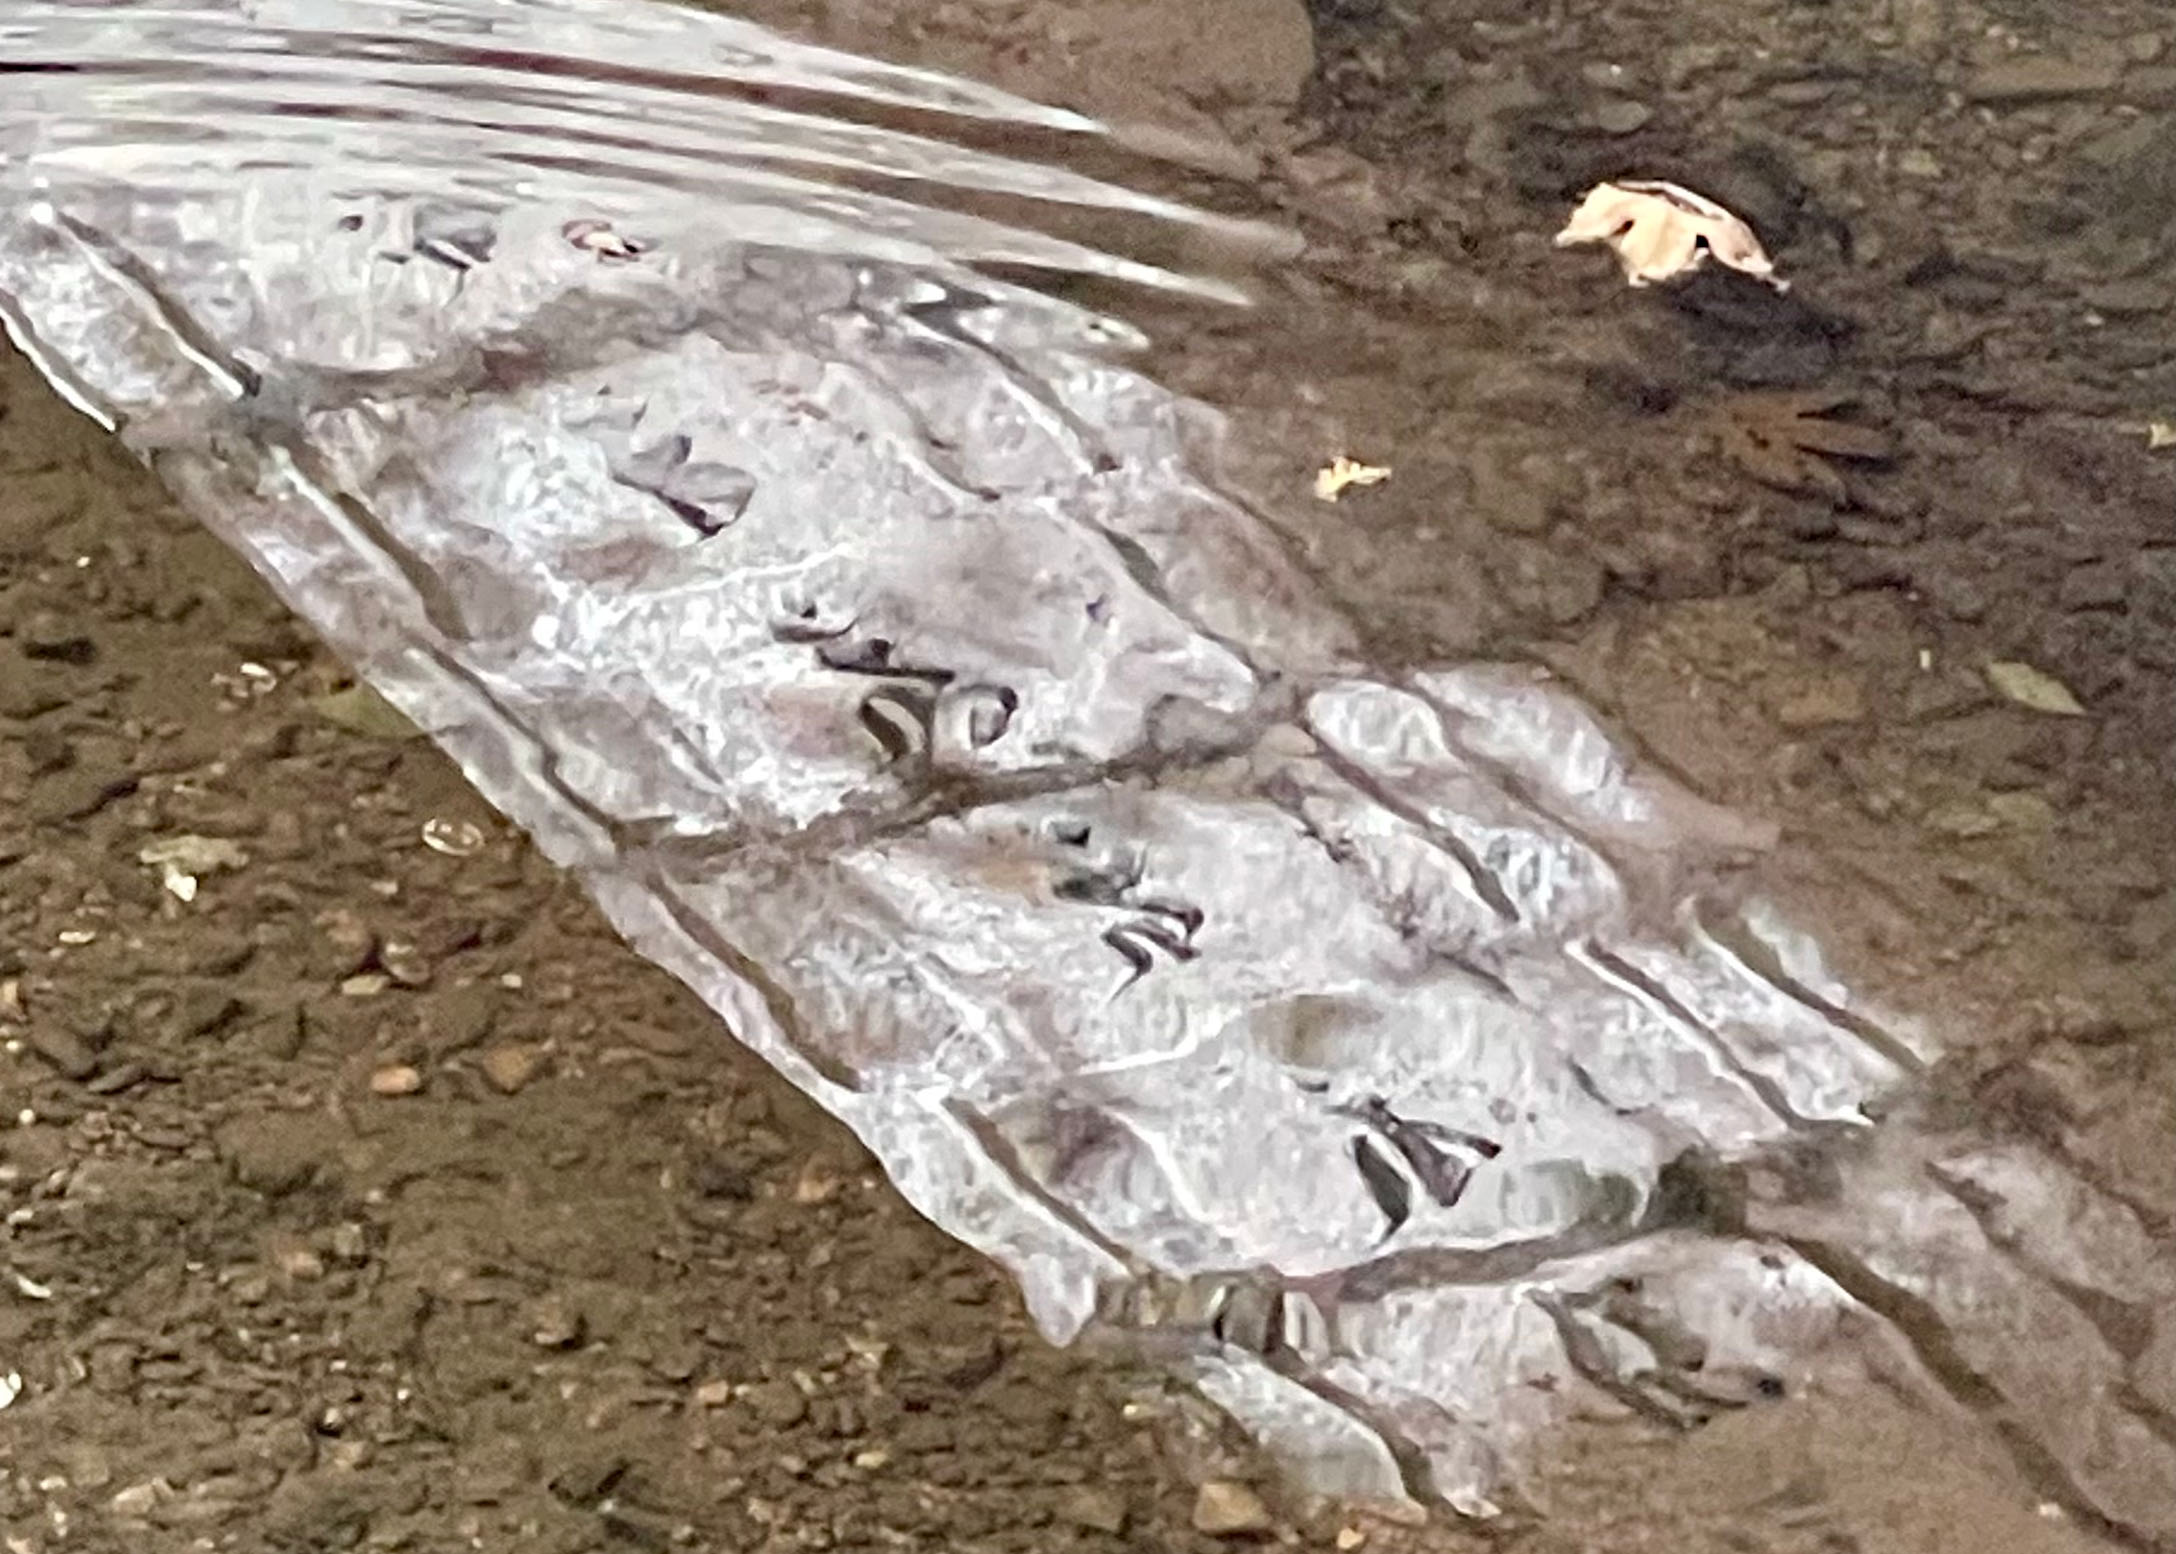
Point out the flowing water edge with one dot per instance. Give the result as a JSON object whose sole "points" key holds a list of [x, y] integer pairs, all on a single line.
{"points": [[669, 419]]}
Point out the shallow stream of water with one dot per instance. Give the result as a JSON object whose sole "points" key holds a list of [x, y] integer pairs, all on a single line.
{"points": [[755, 465]]}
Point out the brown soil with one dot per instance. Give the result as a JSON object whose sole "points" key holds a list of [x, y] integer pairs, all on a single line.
{"points": [[599, 1282]]}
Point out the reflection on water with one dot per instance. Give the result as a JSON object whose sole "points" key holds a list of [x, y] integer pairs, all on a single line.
{"points": [[654, 410], [497, 108]]}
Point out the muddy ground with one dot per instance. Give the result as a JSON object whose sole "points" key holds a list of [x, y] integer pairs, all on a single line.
{"points": [[375, 1197]]}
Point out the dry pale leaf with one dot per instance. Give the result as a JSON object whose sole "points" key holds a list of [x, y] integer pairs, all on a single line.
{"points": [[1340, 472], [1660, 231], [2029, 687], [2161, 434]]}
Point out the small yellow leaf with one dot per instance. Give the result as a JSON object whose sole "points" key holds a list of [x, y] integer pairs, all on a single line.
{"points": [[1340, 472], [2028, 687], [2161, 434]]}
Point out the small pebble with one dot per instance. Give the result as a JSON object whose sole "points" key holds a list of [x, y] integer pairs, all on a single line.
{"points": [[350, 1242], [302, 1265], [47, 752], [122, 1076], [396, 1079], [201, 1011], [405, 963], [461, 1017], [817, 1183], [778, 1404], [677, 1360], [1962, 820], [141, 1499], [67, 1052], [1622, 116], [510, 1066], [1224, 1509], [55, 637], [714, 1394], [2023, 811], [555, 1325], [346, 947], [2038, 78], [1097, 1510], [1823, 701]]}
